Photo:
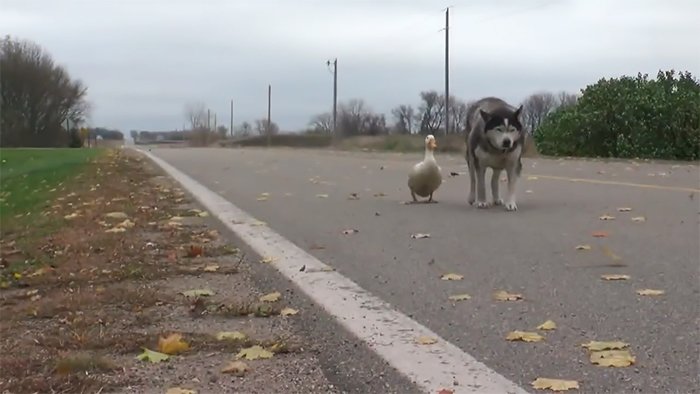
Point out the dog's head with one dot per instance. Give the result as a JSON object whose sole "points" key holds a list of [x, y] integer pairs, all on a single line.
{"points": [[503, 128]]}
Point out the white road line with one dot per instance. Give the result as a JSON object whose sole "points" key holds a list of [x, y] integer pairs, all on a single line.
{"points": [[386, 331]]}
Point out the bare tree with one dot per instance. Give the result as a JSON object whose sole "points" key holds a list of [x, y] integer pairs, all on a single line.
{"points": [[38, 97], [352, 116], [196, 115], [262, 128], [565, 99], [458, 115], [244, 130], [431, 112], [322, 123], [404, 117], [536, 107]]}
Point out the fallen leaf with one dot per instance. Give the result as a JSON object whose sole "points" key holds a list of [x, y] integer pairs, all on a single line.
{"points": [[503, 295], [624, 209], [172, 344], [639, 219], [650, 292], [268, 260], [263, 197], [198, 293], [195, 251], [254, 353], [600, 234], [237, 368], [350, 231], [610, 254], [607, 217], [257, 223], [126, 224], [420, 235], [425, 340], [230, 336], [524, 336], [583, 247], [532, 178], [548, 325], [117, 215], [271, 297], [40, 271], [71, 216], [116, 230], [596, 346], [451, 276], [179, 390], [288, 311], [380, 194], [353, 196], [554, 384], [211, 268], [528, 191], [612, 358], [445, 391], [615, 277], [203, 214], [152, 356], [459, 297], [322, 195]]}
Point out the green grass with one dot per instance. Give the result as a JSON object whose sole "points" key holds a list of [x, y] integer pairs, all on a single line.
{"points": [[31, 177]]}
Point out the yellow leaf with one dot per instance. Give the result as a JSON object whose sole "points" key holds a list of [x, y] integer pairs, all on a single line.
{"points": [[211, 268], [116, 230], [152, 356], [288, 311], [425, 340], [322, 195], [198, 293], [554, 384], [268, 260], [503, 295], [604, 345], [624, 209], [178, 390], [237, 368], [524, 336], [639, 219], [254, 353], [607, 217], [40, 271], [548, 325], [452, 277], [459, 297], [650, 292], [583, 247], [271, 297], [612, 358], [230, 336], [71, 216], [532, 178], [172, 344], [117, 215], [615, 277], [126, 224]]}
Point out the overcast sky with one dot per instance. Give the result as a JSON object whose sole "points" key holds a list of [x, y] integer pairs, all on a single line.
{"points": [[143, 61]]}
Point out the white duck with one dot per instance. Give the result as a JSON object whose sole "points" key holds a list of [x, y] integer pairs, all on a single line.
{"points": [[425, 177]]}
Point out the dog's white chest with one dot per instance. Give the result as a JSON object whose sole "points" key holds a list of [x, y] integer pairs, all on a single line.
{"points": [[496, 160]]}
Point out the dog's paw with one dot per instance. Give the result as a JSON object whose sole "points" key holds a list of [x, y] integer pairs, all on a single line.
{"points": [[511, 206], [498, 202], [482, 204], [471, 199]]}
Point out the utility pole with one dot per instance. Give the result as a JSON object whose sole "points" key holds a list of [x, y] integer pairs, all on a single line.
{"points": [[231, 129], [269, 123], [208, 119], [335, 95], [447, 70], [215, 123]]}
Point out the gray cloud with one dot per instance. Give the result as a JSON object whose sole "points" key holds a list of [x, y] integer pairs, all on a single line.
{"points": [[144, 60]]}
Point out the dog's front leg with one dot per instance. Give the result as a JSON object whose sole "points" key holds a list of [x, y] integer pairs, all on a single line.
{"points": [[472, 181], [513, 175], [495, 179], [481, 187]]}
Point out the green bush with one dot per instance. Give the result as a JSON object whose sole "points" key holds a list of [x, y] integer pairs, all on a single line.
{"points": [[628, 117]]}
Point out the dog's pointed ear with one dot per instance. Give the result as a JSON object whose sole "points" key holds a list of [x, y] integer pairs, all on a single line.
{"points": [[517, 112], [484, 115]]}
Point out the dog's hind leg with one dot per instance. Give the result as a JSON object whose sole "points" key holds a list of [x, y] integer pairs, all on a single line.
{"points": [[495, 179], [481, 187]]}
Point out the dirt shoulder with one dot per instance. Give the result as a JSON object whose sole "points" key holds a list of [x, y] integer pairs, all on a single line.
{"points": [[131, 265]]}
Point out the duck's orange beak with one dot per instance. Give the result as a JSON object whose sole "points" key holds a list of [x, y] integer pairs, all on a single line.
{"points": [[432, 144]]}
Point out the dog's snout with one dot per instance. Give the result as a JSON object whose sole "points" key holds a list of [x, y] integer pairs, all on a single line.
{"points": [[506, 143]]}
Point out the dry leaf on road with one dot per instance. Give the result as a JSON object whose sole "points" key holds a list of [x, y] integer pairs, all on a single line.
{"points": [[268, 260], [452, 276], [117, 215], [271, 297], [353, 196], [179, 390], [604, 345], [322, 195], [420, 235], [211, 268], [612, 358], [607, 217], [230, 336], [611, 254], [614, 277], [624, 209], [238, 368], [503, 295], [425, 340], [288, 311], [198, 293], [600, 234], [583, 247], [548, 325], [254, 353], [554, 384], [532, 178], [172, 344], [152, 356], [445, 391], [524, 336], [350, 231], [639, 219], [380, 194], [459, 297], [195, 251], [650, 292]]}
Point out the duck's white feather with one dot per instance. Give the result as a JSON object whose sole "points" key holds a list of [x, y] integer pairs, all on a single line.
{"points": [[426, 176]]}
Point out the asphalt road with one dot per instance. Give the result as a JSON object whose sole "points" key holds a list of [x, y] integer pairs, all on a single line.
{"points": [[531, 251]]}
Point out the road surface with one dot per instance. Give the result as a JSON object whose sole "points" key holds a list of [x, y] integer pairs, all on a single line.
{"points": [[532, 252]]}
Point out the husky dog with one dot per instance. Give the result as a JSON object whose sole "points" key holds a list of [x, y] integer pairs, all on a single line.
{"points": [[495, 139]]}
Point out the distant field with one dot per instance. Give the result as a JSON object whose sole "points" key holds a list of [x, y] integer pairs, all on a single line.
{"points": [[29, 177]]}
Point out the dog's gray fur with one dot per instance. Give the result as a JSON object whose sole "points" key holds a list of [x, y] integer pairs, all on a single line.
{"points": [[491, 122]]}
